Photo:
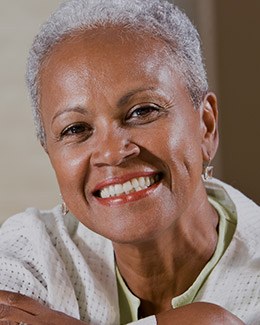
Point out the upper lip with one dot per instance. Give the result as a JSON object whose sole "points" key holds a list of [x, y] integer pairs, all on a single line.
{"points": [[122, 179]]}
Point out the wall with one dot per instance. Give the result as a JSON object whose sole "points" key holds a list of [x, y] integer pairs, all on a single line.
{"points": [[26, 178], [238, 41]]}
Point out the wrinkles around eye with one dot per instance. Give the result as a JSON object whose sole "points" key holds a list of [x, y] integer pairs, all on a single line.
{"points": [[76, 129], [145, 114]]}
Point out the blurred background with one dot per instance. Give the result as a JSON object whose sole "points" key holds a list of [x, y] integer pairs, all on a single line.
{"points": [[231, 43]]}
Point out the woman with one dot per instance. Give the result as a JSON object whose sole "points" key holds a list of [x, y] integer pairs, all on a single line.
{"points": [[122, 108]]}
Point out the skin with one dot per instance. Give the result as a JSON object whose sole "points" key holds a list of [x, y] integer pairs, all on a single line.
{"points": [[114, 107], [16, 308]]}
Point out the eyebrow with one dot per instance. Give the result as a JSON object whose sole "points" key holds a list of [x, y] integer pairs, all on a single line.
{"points": [[121, 102], [125, 99], [78, 109]]}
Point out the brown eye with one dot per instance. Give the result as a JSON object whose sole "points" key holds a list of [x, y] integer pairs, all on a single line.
{"points": [[77, 129], [144, 111], [143, 114]]}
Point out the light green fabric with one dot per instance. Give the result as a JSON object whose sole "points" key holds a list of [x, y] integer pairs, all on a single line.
{"points": [[129, 304]]}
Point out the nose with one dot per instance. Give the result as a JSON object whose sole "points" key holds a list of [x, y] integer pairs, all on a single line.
{"points": [[113, 149]]}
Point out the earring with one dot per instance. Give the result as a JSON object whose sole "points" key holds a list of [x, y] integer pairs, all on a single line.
{"points": [[207, 171], [64, 209]]}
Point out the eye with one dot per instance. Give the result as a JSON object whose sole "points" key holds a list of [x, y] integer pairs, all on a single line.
{"points": [[77, 129], [144, 111], [143, 114]]}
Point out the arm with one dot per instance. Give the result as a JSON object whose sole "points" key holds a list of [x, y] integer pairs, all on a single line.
{"points": [[17, 308], [199, 313]]}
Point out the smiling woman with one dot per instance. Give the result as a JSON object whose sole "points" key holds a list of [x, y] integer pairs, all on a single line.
{"points": [[123, 111], [87, 129]]}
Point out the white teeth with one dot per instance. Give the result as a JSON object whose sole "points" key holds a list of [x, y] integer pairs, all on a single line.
{"points": [[111, 190], [141, 181], [147, 181], [134, 185], [119, 189], [127, 187], [105, 193]]}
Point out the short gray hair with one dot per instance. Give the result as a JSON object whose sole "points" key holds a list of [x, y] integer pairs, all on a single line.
{"points": [[158, 17]]}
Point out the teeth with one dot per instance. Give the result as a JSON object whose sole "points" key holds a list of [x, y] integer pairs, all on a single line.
{"points": [[106, 193], [111, 190], [119, 189], [134, 185], [147, 181], [127, 187], [141, 181]]}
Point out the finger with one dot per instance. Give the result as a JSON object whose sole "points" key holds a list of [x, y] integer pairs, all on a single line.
{"points": [[20, 301], [19, 308], [11, 315]]}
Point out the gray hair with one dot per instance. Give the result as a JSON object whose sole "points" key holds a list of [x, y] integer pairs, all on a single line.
{"points": [[158, 17]]}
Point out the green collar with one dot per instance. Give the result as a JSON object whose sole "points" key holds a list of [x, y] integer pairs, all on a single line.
{"points": [[129, 303]]}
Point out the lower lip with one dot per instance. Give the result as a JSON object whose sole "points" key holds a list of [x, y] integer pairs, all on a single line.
{"points": [[127, 198]]}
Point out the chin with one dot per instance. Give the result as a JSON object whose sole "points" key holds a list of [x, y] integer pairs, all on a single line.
{"points": [[133, 231]]}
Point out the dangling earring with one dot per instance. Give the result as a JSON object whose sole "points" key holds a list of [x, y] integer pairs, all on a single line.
{"points": [[64, 209], [207, 171]]}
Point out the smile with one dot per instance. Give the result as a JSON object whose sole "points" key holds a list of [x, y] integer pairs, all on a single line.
{"points": [[131, 186]]}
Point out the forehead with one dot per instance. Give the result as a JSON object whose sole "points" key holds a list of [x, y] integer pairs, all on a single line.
{"points": [[107, 61], [106, 47]]}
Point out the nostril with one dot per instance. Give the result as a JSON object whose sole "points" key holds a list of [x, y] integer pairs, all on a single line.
{"points": [[131, 150], [114, 152]]}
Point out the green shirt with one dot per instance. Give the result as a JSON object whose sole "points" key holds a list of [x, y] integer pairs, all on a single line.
{"points": [[129, 303]]}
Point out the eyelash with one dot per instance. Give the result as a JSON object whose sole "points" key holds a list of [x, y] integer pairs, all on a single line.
{"points": [[150, 113], [76, 129], [144, 114]]}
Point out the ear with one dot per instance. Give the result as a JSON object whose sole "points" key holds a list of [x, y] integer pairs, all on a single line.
{"points": [[209, 126]]}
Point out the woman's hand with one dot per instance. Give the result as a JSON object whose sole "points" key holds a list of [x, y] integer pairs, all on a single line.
{"points": [[16, 308], [198, 313]]}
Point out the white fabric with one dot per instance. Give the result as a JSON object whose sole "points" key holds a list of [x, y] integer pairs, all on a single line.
{"points": [[235, 281], [62, 263], [146, 321]]}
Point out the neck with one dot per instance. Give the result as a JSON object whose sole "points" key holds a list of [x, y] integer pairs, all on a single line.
{"points": [[176, 257]]}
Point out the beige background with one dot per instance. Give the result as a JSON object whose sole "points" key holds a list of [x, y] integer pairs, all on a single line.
{"points": [[26, 178], [230, 33]]}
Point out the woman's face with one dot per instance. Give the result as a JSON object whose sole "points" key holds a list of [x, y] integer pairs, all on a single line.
{"points": [[122, 134]]}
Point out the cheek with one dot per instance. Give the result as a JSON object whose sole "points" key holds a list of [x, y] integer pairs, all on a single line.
{"points": [[71, 169], [182, 147]]}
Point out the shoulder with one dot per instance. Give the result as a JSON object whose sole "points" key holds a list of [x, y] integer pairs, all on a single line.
{"points": [[229, 196], [247, 211], [28, 243], [245, 245], [238, 269], [28, 240], [33, 223]]}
